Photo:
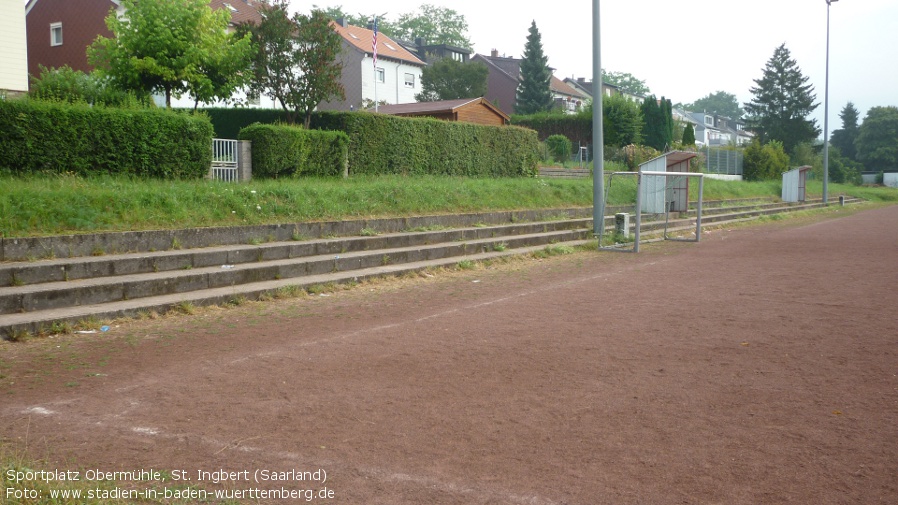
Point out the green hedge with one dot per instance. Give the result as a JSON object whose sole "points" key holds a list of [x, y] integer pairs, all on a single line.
{"points": [[228, 122], [576, 127], [382, 144], [281, 150], [40, 136]]}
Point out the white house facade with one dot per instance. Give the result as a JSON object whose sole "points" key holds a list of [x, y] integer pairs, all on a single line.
{"points": [[14, 55], [395, 79]]}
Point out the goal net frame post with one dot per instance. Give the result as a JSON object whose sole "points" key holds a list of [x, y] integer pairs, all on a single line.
{"points": [[667, 205]]}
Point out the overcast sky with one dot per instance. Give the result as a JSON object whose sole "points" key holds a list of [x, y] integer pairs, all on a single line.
{"points": [[687, 49]]}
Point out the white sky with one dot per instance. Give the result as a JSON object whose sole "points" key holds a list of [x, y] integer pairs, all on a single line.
{"points": [[687, 49]]}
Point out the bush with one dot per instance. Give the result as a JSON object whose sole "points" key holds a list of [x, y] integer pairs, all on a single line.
{"points": [[74, 86], [282, 150], [382, 144], [767, 162], [559, 147], [37, 136], [632, 155]]}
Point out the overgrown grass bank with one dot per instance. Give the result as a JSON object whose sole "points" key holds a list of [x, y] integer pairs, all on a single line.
{"points": [[59, 204]]}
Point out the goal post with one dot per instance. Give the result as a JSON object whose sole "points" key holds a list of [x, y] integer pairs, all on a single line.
{"points": [[659, 193]]}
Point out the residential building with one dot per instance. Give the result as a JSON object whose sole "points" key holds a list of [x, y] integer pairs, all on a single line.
{"points": [[505, 76], [395, 77], [470, 110], [14, 56], [502, 80], [568, 98], [60, 31]]}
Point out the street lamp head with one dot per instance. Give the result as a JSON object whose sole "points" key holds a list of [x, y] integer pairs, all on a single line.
{"points": [[830, 2]]}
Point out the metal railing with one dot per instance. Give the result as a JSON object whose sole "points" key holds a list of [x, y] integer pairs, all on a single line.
{"points": [[224, 160]]}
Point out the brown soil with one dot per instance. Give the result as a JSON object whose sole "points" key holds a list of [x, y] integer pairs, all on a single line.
{"points": [[758, 366]]}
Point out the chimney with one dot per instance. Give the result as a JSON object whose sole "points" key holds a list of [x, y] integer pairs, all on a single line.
{"points": [[581, 80], [342, 22], [494, 53], [420, 42]]}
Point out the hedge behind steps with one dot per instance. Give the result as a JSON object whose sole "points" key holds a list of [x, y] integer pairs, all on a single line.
{"points": [[40, 136], [281, 150], [382, 144]]}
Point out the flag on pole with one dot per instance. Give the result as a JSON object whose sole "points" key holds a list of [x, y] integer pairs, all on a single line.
{"points": [[374, 41]]}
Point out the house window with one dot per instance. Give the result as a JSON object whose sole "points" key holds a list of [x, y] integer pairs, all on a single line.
{"points": [[409, 80], [458, 56], [709, 120], [55, 34], [379, 74]]}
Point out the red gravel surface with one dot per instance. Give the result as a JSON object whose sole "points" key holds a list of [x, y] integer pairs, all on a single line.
{"points": [[758, 366]]}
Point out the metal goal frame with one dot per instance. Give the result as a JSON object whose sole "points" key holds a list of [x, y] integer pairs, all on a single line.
{"points": [[637, 224]]}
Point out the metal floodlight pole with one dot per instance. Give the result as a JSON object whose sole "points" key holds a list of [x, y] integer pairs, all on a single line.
{"points": [[826, 114], [598, 147]]}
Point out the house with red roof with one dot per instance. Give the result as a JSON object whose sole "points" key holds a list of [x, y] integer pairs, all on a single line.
{"points": [[394, 77]]}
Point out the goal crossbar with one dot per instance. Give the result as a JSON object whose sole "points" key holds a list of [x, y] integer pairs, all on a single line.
{"points": [[637, 224]]}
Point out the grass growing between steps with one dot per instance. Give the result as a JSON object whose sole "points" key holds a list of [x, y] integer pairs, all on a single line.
{"points": [[40, 205]]}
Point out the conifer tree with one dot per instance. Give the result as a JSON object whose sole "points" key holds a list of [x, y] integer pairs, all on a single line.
{"points": [[657, 130], [844, 139], [533, 93], [689, 135], [782, 102]]}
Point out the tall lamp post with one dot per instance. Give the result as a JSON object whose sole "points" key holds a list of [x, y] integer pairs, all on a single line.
{"points": [[598, 138], [826, 114]]}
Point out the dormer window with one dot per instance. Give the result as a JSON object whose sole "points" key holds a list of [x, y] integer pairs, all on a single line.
{"points": [[55, 34], [709, 120]]}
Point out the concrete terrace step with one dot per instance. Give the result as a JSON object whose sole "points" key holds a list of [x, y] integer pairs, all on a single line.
{"points": [[36, 295], [35, 322], [69, 269], [92, 291]]}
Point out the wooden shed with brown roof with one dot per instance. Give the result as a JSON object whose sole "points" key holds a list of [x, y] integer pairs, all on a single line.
{"points": [[470, 110]]}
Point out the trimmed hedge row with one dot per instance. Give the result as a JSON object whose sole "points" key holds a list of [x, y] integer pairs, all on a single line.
{"points": [[382, 144], [577, 128], [281, 150], [229, 122], [41, 136]]}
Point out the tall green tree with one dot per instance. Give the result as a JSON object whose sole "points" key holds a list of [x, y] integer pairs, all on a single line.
{"points": [[622, 121], [719, 102], [296, 62], [626, 82], [174, 47], [448, 79], [436, 25], [844, 138], [782, 101], [384, 25], [688, 135], [534, 94], [877, 140], [657, 131]]}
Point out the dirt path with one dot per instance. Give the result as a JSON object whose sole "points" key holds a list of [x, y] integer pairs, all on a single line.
{"points": [[758, 366]]}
